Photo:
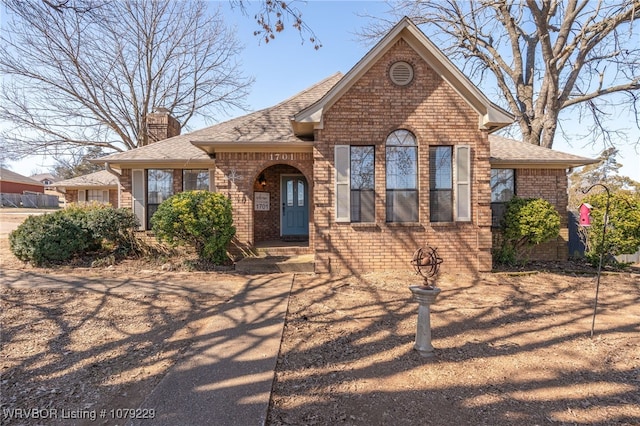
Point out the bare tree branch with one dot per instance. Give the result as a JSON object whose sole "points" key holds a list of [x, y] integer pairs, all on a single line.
{"points": [[545, 57], [273, 16], [90, 79]]}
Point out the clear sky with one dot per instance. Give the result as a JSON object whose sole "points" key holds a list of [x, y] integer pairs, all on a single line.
{"points": [[286, 65]]}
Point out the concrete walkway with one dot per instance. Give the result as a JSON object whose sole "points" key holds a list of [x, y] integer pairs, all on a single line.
{"points": [[225, 378]]}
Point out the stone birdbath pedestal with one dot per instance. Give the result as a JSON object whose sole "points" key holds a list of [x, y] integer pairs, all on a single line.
{"points": [[426, 263]]}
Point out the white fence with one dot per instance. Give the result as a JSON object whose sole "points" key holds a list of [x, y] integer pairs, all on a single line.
{"points": [[31, 200]]}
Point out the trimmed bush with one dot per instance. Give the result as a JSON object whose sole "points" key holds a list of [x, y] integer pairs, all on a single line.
{"points": [[48, 238], [59, 236], [200, 219], [527, 222], [105, 225]]}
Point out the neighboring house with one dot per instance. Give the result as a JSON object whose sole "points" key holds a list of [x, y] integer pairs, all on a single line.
{"points": [[101, 187], [366, 167], [14, 183], [17, 190], [47, 179]]}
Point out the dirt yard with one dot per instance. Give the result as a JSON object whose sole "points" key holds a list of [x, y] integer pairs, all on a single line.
{"points": [[510, 348]]}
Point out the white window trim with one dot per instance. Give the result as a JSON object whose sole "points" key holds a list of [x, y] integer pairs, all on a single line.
{"points": [[342, 187], [138, 197], [462, 188]]}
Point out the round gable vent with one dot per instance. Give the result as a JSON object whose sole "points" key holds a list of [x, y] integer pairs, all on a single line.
{"points": [[401, 73]]}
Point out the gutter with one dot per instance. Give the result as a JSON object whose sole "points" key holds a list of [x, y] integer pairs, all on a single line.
{"points": [[108, 168]]}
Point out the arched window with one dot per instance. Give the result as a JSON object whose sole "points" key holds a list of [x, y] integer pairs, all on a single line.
{"points": [[402, 176]]}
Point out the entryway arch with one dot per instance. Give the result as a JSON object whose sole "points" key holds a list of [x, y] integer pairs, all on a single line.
{"points": [[281, 209]]}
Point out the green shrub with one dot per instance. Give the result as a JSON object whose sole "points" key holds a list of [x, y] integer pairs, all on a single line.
{"points": [[48, 238], [200, 219], [505, 255], [623, 230], [527, 222], [77, 229], [108, 225]]}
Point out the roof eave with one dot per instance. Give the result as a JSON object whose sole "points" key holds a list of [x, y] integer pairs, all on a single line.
{"points": [[495, 119], [88, 186], [213, 147], [161, 163], [305, 128], [536, 164]]}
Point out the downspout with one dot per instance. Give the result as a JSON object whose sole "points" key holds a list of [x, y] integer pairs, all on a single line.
{"points": [[63, 191], [108, 168]]}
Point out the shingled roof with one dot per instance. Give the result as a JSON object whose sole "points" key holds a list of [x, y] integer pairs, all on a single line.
{"points": [[510, 153], [99, 179], [264, 128], [7, 175], [271, 129]]}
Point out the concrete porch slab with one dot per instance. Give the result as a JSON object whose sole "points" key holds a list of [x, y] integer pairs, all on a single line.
{"points": [[303, 263]]}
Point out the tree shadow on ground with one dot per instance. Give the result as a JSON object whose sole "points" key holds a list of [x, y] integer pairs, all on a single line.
{"points": [[82, 343], [509, 350]]}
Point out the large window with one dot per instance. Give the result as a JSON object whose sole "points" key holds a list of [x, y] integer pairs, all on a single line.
{"points": [[195, 180], [402, 177], [159, 188], [502, 185], [93, 195], [98, 195], [355, 183], [362, 184], [503, 189], [450, 183], [441, 183]]}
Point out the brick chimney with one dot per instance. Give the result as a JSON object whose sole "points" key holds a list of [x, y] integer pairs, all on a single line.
{"points": [[161, 125]]}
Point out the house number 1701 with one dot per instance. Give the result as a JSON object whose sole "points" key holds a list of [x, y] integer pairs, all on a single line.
{"points": [[281, 156]]}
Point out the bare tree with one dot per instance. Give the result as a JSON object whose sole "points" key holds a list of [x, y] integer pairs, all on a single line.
{"points": [[77, 164], [88, 73], [545, 57], [78, 6], [272, 17]]}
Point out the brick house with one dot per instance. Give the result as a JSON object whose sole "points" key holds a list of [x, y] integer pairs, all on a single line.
{"points": [[15, 183], [362, 168], [101, 187]]}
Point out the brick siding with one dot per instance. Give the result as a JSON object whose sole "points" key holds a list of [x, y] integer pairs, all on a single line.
{"points": [[71, 196], [366, 114], [161, 125], [371, 109], [252, 227], [551, 185]]}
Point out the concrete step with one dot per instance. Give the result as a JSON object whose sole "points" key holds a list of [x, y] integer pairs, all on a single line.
{"points": [[277, 264], [282, 251]]}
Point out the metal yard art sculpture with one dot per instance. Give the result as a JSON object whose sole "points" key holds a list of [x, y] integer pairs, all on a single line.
{"points": [[426, 263]]}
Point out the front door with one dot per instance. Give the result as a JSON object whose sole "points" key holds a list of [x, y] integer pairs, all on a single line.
{"points": [[295, 206]]}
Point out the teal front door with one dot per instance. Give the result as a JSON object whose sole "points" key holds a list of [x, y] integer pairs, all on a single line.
{"points": [[295, 206]]}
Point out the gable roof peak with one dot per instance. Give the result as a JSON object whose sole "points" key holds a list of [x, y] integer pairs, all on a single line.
{"points": [[491, 116]]}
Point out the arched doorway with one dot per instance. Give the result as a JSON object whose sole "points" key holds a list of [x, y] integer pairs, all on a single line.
{"points": [[281, 205]]}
